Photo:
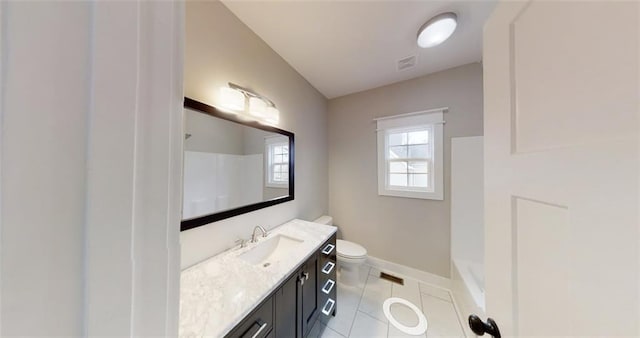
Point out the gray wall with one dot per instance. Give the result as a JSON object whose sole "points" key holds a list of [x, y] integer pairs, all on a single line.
{"points": [[411, 232], [254, 140], [220, 49], [213, 135]]}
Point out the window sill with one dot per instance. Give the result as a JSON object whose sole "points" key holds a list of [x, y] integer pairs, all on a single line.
{"points": [[275, 185], [438, 196]]}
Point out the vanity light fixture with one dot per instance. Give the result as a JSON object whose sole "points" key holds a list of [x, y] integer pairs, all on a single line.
{"points": [[437, 29], [257, 107], [260, 108], [272, 115], [232, 99]]}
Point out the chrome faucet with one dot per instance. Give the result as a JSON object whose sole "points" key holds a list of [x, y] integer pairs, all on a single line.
{"points": [[242, 242], [258, 227]]}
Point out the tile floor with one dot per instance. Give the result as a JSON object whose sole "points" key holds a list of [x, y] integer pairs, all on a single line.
{"points": [[359, 309]]}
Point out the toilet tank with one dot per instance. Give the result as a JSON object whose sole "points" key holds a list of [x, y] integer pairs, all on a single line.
{"points": [[328, 220]]}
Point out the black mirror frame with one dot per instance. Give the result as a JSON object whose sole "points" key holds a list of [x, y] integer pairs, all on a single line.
{"points": [[210, 218]]}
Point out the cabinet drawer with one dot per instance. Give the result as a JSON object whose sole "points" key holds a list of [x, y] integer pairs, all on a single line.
{"points": [[329, 250], [328, 306], [329, 268], [327, 295], [328, 261], [328, 286], [256, 325]]}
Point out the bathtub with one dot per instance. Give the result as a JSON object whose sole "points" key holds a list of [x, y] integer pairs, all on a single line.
{"points": [[472, 275]]}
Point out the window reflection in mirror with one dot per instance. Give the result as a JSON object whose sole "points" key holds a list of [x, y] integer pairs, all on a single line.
{"points": [[277, 162]]}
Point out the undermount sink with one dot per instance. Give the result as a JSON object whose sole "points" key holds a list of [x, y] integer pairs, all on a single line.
{"points": [[271, 250]]}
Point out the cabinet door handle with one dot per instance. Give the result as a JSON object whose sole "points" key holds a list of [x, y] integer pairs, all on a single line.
{"points": [[306, 275], [262, 327], [301, 280], [328, 248], [328, 286], [330, 303], [328, 267]]}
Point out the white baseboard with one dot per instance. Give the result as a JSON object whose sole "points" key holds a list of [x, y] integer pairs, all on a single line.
{"points": [[416, 274]]}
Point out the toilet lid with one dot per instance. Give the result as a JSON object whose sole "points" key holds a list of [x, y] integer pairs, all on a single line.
{"points": [[350, 249]]}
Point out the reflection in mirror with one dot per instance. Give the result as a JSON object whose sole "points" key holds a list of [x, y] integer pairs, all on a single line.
{"points": [[232, 167], [277, 165]]}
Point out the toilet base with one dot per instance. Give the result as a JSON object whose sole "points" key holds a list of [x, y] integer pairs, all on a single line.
{"points": [[349, 273]]}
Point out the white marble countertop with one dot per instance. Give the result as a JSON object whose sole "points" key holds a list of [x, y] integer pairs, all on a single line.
{"points": [[216, 294]]}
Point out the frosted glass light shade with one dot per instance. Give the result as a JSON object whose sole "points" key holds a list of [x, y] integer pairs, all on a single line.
{"points": [[257, 107], [437, 30], [231, 99], [272, 115]]}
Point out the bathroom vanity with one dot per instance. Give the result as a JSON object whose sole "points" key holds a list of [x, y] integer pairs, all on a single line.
{"points": [[277, 287]]}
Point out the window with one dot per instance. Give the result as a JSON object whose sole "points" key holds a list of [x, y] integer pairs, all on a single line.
{"points": [[409, 163], [410, 155], [277, 150]]}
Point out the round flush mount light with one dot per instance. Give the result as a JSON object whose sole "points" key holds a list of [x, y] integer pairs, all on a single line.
{"points": [[437, 29]]}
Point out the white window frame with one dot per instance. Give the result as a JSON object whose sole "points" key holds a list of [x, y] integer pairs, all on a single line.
{"points": [[434, 119], [270, 143]]}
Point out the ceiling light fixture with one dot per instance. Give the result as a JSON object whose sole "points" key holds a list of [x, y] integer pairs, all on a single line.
{"points": [[437, 29]]}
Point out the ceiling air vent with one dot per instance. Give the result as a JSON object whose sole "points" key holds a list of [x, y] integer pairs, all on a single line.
{"points": [[406, 63]]}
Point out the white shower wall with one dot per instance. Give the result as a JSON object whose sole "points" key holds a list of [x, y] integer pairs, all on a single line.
{"points": [[467, 214], [208, 178]]}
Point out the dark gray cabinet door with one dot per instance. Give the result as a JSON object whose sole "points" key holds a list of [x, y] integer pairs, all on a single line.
{"points": [[287, 308], [299, 300], [310, 294]]}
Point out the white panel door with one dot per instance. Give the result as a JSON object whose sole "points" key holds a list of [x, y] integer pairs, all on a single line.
{"points": [[561, 168]]}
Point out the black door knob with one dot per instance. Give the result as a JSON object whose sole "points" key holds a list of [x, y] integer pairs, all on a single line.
{"points": [[480, 328]]}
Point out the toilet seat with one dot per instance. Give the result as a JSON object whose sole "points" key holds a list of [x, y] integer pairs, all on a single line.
{"points": [[419, 329], [352, 250]]}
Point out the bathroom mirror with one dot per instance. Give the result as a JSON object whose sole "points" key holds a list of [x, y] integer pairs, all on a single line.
{"points": [[232, 165]]}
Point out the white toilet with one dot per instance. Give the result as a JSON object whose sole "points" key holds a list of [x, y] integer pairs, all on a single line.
{"points": [[350, 256]]}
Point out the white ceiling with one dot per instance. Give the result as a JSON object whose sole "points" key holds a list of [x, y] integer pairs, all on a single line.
{"points": [[342, 47]]}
